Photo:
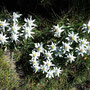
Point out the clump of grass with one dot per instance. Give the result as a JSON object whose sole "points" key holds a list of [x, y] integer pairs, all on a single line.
{"points": [[8, 77]]}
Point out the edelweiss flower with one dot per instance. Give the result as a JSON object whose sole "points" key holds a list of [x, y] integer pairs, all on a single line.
{"points": [[81, 50], [4, 23], [36, 68], [30, 22], [52, 47], [28, 27], [14, 37], [15, 16], [39, 47], [35, 55], [57, 30], [66, 47], [48, 63], [15, 29], [86, 27], [83, 41], [44, 68], [3, 39], [57, 71], [72, 37], [48, 55], [50, 74], [70, 58], [34, 62], [28, 32]]}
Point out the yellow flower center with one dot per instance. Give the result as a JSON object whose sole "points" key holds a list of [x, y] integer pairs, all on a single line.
{"points": [[1, 24], [39, 49], [52, 46], [34, 54], [47, 55], [82, 42], [33, 62], [48, 64], [72, 38], [89, 50], [13, 28], [88, 27], [43, 69], [36, 69], [65, 47], [56, 72]]}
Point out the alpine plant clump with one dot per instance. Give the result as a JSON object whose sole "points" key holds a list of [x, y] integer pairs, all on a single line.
{"points": [[70, 47], [67, 46], [13, 31]]}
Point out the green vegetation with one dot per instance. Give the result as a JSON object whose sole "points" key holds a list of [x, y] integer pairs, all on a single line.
{"points": [[74, 75], [8, 77]]}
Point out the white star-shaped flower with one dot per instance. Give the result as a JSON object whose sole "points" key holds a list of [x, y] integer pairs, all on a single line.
{"points": [[14, 37], [66, 47], [3, 39], [70, 58], [86, 27], [81, 50], [72, 37], [4, 23], [15, 28], [15, 15], [57, 30], [48, 63], [30, 22], [52, 47], [57, 71], [48, 55], [34, 62], [50, 74], [35, 54], [44, 68], [39, 47], [28, 32], [83, 41], [36, 68]]}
